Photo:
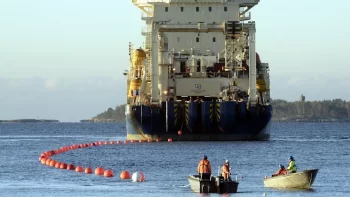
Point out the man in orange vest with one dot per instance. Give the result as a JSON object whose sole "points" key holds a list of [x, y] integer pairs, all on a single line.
{"points": [[204, 168], [225, 171], [281, 171]]}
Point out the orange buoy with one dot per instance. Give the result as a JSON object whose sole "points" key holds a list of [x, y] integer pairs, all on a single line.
{"points": [[48, 162], [108, 173], [99, 171], [118, 142], [112, 142], [43, 161], [88, 171], [58, 165], [132, 141], [140, 141], [125, 175], [63, 166], [79, 169], [179, 132], [52, 163], [149, 140], [170, 140], [70, 167], [125, 141], [157, 140]]}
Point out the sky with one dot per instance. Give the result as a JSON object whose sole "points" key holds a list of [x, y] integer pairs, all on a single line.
{"points": [[64, 59]]}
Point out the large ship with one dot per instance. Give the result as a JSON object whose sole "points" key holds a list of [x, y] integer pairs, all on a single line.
{"points": [[197, 76]]}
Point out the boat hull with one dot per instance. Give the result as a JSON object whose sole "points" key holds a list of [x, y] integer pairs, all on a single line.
{"points": [[214, 185], [198, 122], [299, 180]]}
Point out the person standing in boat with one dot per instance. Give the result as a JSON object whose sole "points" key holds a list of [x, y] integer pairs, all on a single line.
{"points": [[281, 171], [204, 168], [292, 167], [225, 170]]}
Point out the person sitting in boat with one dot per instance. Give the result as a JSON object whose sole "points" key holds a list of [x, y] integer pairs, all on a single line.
{"points": [[281, 171], [292, 167], [204, 168], [225, 171]]}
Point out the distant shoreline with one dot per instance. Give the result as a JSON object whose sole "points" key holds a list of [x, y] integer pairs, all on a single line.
{"points": [[27, 120], [273, 120], [310, 119]]}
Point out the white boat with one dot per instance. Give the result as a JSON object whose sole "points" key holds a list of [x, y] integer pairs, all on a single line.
{"points": [[298, 180]]}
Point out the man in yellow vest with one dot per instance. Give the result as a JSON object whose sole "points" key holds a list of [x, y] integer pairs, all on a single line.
{"points": [[204, 168], [292, 167]]}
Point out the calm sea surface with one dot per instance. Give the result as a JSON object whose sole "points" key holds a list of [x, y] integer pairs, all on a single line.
{"points": [[167, 165]]}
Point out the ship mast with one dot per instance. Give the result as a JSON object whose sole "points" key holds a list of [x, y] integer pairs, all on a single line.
{"points": [[252, 64]]}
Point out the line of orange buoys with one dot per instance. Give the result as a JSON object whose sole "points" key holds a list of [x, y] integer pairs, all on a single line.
{"points": [[45, 159]]}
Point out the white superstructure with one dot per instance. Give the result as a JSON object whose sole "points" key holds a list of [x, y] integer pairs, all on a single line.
{"points": [[197, 48]]}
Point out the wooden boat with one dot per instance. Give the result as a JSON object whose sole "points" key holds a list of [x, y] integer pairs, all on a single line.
{"points": [[298, 180], [212, 185]]}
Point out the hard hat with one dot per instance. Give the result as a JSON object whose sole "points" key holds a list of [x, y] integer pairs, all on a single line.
{"points": [[226, 161], [205, 157], [291, 158], [281, 166]]}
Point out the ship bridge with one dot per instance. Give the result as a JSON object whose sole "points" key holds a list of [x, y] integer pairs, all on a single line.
{"points": [[147, 5]]}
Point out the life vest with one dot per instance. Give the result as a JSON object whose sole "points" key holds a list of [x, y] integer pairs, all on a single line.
{"points": [[292, 167], [204, 166], [225, 169], [283, 172]]}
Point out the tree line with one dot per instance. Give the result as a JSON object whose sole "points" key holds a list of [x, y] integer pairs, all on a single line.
{"points": [[327, 109], [337, 109]]}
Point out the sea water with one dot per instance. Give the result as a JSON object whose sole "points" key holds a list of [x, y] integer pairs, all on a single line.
{"points": [[166, 165]]}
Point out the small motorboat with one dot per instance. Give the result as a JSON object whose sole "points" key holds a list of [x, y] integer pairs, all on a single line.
{"points": [[298, 180], [212, 185]]}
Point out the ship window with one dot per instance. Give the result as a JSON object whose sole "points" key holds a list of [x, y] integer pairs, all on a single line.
{"points": [[182, 67], [214, 39], [209, 9], [197, 9], [225, 9], [178, 39], [198, 66], [182, 9], [166, 9], [197, 39]]}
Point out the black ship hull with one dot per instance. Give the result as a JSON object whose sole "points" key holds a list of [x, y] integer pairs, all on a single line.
{"points": [[199, 121]]}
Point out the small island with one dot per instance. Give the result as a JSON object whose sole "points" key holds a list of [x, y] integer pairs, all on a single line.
{"points": [[27, 120]]}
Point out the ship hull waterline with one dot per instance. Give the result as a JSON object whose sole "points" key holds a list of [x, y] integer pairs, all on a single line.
{"points": [[138, 128]]}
